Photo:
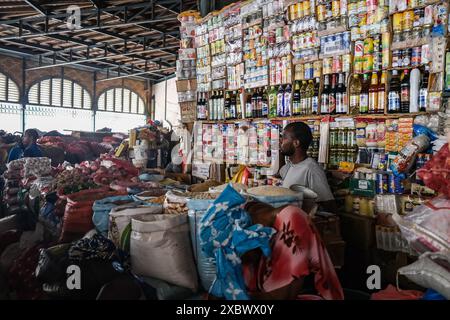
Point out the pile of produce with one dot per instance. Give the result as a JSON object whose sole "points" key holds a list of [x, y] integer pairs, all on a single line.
{"points": [[106, 171]]}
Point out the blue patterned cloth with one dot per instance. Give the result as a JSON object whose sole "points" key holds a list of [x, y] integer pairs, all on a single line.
{"points": [[226, 233]]}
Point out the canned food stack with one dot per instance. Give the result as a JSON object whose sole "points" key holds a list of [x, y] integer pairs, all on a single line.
{"points": [[187, 66], [186, 63], [256, 71], [331, 14], [203, 57], [216, 31], [234, 53]]}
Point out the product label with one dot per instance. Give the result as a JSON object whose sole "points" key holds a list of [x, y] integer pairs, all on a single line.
{"points": [[339, 103], [265, 109], [324, 108], [354, 101], [280, 109], [405, 94], [315, 104], [287, 104], [332, 103], [363, 102]]}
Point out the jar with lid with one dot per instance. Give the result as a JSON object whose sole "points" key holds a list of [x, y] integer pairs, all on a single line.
{"points": [[371, 135], [426, 31], [364, 206], [356, 205], [348, 203], [397, 37], [416, 33]]}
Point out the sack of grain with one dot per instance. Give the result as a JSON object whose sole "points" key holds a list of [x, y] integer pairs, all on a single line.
{"points": [[276, 196], [239, 187], [160, 248]]}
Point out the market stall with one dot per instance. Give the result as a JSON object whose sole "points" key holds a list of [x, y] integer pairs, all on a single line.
{"points": [[206, 216]]}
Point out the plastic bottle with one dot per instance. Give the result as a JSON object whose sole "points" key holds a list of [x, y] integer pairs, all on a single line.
{"points": [[414, 90]]}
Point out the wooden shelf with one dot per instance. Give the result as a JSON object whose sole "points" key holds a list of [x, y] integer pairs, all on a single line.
{"points": [[334, 116], [328, 32], [428, 3], [254, 23], [410, 44]]}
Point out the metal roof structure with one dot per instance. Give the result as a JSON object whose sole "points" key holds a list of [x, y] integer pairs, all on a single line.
{"points": [[124, 38]]}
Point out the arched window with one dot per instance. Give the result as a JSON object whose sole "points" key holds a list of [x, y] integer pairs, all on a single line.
{"points": [[59, 104], [121, 100], [10, 110], [58, 92], [120, 109]]}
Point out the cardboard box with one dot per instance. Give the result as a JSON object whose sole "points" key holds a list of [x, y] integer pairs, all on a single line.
{"points": [[362, 187], [186, 85]]}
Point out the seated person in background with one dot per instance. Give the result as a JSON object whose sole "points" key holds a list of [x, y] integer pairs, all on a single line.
{"points": [[301, 169], [16, 152], [29, 142], [299, 266]]}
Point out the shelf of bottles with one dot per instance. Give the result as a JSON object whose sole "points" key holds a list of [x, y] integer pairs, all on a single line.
{"points": [[307, 59]]}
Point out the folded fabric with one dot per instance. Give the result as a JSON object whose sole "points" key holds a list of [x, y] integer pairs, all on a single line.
{"points": [[226, 234]]}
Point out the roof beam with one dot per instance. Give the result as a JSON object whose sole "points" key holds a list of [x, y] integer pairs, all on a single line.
{"points": [[36, 6], [155, 71], [101, 58], [83, 28]]}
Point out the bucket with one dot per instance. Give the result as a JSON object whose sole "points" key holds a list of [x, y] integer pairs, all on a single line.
{"points": [[309, 197]]}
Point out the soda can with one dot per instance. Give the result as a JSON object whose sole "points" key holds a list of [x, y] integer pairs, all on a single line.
{"points": [[306, 8], [321, 12], [358, 65], [428, 15], [397, 22], [406, 57], [385, 59], [359, 48], [376, 44], [346, 39], [317, 65], [368, 63], [408, 19], [337, 64], [416, 56], [346, 63], [353, 9], [419, 15], [335, 8], [395, 185], [368, 46], [398, 60], [385, 40], [381, 186], [425, 54], [327, 65]]}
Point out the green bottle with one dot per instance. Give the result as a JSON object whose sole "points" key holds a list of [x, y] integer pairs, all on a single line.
{"points": [[273, 102]]}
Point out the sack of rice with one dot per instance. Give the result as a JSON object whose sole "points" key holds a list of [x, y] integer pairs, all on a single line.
{"points": [[239, 187], [276, 196]]}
